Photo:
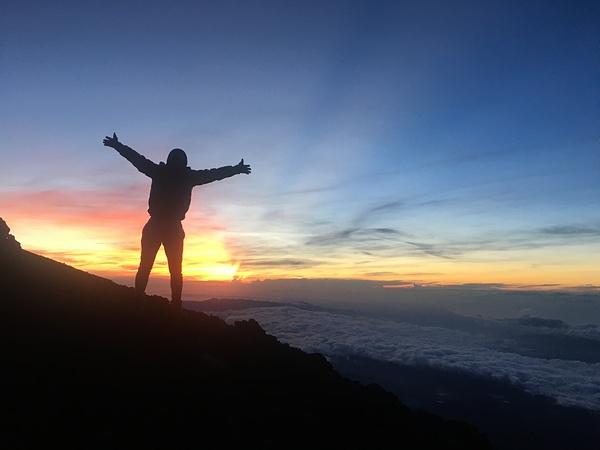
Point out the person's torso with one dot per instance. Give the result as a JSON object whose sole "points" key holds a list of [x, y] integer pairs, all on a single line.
{"points": [[170, 193]]}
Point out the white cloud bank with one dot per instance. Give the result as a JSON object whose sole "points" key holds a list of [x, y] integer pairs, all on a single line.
{"points": [[571, 383]]}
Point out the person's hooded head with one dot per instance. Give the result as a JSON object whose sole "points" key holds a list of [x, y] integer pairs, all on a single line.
{"points": [[177, 159]]}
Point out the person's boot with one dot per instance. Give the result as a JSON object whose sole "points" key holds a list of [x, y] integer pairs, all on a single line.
{"points": [[176, 305]]}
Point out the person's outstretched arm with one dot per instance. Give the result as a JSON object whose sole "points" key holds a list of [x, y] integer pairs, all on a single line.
{"points": [[140, 162], [209, 175]]}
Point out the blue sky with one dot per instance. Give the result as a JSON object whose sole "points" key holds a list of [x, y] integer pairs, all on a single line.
{"points": [[427, 142]]}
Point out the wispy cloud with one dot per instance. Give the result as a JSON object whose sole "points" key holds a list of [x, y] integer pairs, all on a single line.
{"points": [[283, 262], [571, 230], [369, 213], [430, 249], [356, 232], [333, 238]]}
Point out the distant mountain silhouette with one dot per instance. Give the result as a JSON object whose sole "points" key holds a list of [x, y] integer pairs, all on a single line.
{"points": [[226, 304], [85, 366]]}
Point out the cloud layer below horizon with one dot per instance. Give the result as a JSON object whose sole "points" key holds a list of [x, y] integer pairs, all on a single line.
{"points": [[570, 382]]}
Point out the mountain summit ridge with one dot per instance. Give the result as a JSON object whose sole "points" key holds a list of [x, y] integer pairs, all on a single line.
{"points": [[86, 366]]}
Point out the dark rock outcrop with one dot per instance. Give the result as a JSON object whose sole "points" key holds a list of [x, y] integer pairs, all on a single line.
{"points": [[7, 241]]}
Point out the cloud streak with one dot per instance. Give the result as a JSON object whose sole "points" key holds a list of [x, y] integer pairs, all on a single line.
{"points": [[571, 231]]}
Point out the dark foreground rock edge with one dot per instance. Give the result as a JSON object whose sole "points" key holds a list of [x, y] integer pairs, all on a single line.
{"points": [[86, 366]]}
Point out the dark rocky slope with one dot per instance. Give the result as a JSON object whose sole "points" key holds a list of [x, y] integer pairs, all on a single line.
{"points": [[85, 366]]}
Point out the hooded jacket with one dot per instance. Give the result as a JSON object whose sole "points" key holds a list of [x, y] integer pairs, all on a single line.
{"points": [[171, 189]]}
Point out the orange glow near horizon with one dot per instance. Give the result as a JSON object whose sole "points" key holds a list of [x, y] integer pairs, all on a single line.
{"points": [[216, 264], [205, 257], [208, 258], [104, 239]]}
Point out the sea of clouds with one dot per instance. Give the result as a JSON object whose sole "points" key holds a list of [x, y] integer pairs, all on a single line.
{"points": [[570, 382]]}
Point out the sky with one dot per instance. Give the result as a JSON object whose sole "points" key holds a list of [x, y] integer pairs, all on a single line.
{"points": [[409, 142]]}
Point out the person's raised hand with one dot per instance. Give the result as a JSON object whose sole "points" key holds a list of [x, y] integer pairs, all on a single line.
{"points": [[244, 168], [111, 141]]}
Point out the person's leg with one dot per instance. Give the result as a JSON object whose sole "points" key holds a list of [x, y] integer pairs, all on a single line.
{"points": [[173, 243], [151, 241]]}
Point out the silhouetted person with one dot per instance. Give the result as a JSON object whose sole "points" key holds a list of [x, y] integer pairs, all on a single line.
{"points": [[169, 201]]}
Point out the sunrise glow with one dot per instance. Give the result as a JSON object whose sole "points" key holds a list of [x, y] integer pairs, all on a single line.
{"points": [[213, 255]]}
